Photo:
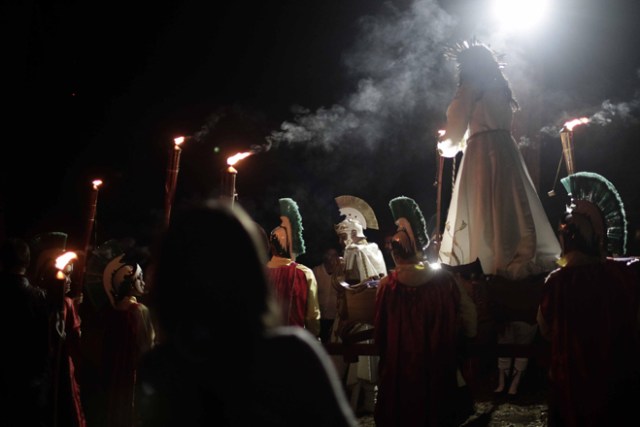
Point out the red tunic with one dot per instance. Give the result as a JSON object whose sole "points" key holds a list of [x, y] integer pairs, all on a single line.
{"points": [[291, 290], [126, 339], [416, 330], [67, 405], [591, 311]]}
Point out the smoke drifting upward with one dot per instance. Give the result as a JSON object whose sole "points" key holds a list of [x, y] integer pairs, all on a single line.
{"points": [[397, 60], [624, 113], [210, 123]]}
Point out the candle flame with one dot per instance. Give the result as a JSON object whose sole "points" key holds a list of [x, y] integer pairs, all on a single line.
{"points": [[442, 132], [63, 260], [179, 140], [96, 183], [237, 157], [575, 122]]}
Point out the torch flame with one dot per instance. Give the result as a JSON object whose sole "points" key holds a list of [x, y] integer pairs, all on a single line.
{"points": [[64, 259], [237, 157], [442, 132], [575, 122], [96, 183], [179, 140]]}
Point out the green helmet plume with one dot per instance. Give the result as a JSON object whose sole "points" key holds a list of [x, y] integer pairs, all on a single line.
{"points": [[289, 208]]}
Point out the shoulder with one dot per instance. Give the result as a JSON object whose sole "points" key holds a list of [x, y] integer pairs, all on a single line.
{"points": [[294, 338]]}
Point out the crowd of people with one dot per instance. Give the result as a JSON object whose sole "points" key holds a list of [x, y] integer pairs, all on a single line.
{"points": [[224, 326]]}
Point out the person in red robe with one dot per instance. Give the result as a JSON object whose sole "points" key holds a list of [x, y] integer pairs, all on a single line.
{"points": [[129, 334], [65, 403], [294, 284], [417, 330], [589, 312]]}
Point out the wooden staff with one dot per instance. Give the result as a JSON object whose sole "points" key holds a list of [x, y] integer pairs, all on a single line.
{"points": [[173, 167], [438, 183], [437, 235], [78, 283]]}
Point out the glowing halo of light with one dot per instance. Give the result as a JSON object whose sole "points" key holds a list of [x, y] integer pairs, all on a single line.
{"points": [[518, 15]]}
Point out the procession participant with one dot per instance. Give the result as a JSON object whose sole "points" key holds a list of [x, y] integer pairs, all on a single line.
{"points": [[418, 327], [294, 284], [361, 266], [128, 334], [327, 294], [590, 312], [24, 372], [65, 403]]}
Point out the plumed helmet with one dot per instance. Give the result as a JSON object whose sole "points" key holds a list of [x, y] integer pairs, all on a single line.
{"points": [[286, 240], [119, 278], [355, 209], [408, 216], [596, 212]]}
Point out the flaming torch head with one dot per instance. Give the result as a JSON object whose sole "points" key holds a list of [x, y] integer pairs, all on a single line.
{"points": [[237, 157], [566, 137]]}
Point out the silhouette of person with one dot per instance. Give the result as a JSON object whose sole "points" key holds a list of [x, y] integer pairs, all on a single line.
{"points": [[590, 312], [24, 369], [223, 358]]}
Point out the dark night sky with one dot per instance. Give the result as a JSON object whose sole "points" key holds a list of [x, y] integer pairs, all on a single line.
{"points": [[102, 90]]}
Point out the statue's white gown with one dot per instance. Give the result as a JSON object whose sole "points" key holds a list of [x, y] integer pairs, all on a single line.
{"points": [[495, 213]]}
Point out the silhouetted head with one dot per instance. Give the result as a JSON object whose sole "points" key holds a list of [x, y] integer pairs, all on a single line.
{"points": [[207, 282], [15, 256]]}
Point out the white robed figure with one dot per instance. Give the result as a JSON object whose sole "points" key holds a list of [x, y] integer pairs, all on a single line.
{"points": [[495, 214]]}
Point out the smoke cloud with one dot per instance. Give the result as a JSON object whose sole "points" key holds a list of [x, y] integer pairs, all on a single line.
{"points": [[397, 63]]}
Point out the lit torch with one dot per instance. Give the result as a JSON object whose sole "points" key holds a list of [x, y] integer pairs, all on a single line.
{"points": [[93, 204], [566, 136], [232, 173], [173, 167]]}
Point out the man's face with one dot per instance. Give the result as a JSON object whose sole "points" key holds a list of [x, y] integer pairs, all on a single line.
{"points": [[330, 260]]}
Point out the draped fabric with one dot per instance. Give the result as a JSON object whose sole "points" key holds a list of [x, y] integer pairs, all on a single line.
{"points": [[291, 289], [495, 213], [416, 330], [66, 401], [128, 335], [591, 312]]}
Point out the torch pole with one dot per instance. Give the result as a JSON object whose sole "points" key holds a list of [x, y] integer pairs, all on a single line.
{"points": [[233, 173], [438, 235], [91, 218], [566, 137], [173, 168]]}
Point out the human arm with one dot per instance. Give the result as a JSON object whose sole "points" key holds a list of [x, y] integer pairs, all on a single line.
{"points": [[458, 115], [312, 316]]}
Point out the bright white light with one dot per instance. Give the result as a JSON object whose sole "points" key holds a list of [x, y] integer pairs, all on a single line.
{"points": [[519, 15]]}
